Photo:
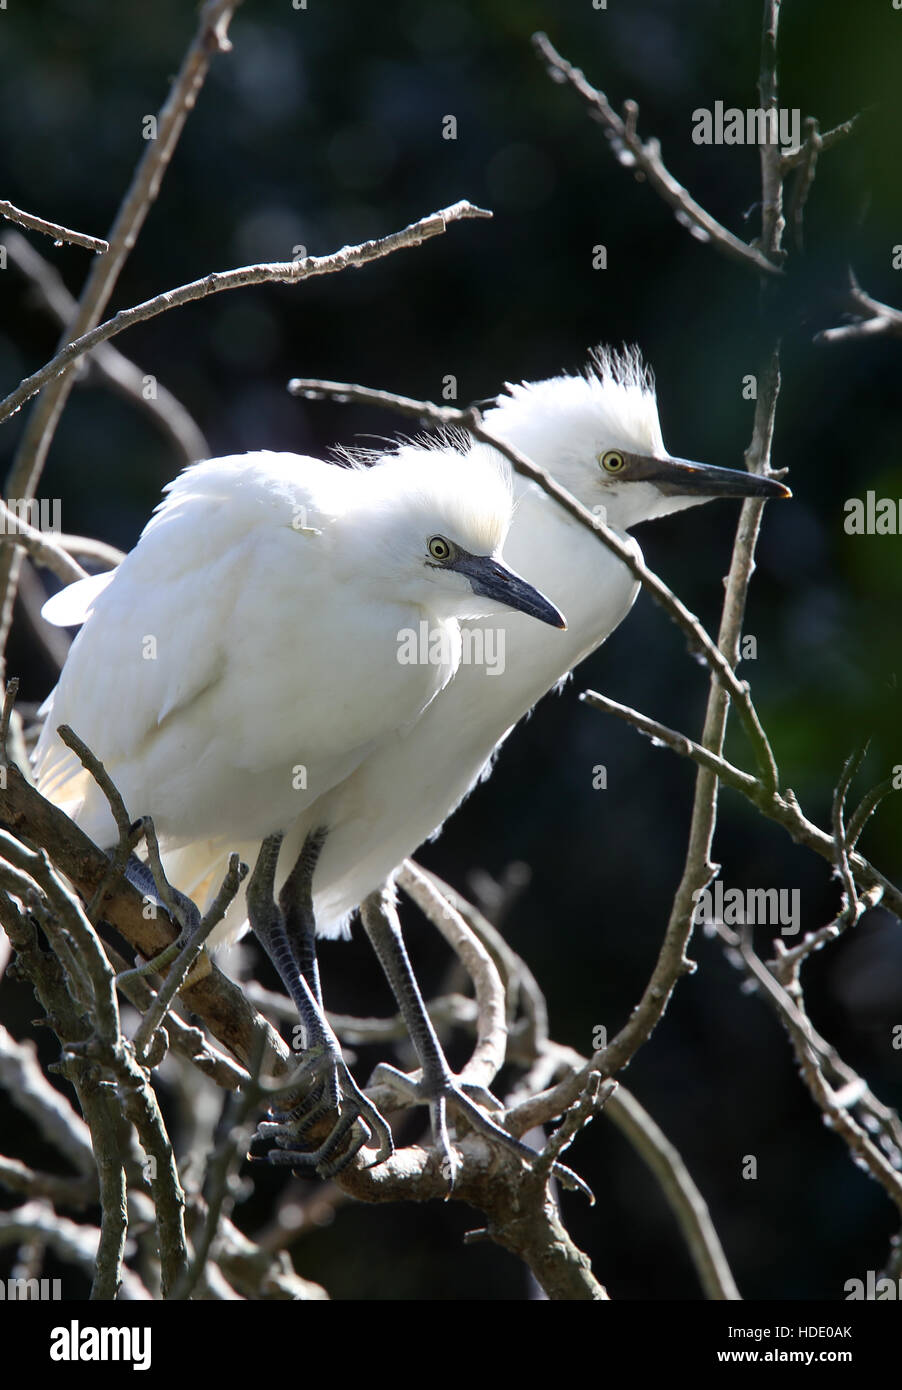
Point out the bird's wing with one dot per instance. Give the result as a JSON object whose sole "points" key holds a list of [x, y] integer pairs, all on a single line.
{"points": [[71, 606], [154, 637], [225, 677]]}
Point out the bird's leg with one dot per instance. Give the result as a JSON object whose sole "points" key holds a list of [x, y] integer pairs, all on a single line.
{"points": [[152, 883], [438, 1086], [287, 932], [296, 903]]}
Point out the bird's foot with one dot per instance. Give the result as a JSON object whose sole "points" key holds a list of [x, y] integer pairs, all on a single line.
{"points": [[474, 1103], [330, 1088]]}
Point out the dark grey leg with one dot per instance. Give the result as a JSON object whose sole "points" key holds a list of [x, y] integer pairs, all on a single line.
{"points": [[287, 933], [439, 1085], [296, 902]]}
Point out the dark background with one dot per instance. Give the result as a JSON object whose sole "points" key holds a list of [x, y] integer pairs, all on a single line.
{"points": [[324, 127]]}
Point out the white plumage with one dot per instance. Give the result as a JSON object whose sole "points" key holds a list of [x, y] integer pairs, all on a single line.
{"points": [[243, 658]]}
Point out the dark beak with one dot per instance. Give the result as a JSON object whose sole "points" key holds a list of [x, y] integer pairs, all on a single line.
{"points": [[491, 579], [680, 478]]}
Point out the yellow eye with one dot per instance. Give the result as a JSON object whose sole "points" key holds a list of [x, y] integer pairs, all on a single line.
{"points": [[439, 548], [613, 461]]}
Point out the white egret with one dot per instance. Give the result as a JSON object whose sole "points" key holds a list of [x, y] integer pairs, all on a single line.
{"points": [[599, 434], [244, 657]]}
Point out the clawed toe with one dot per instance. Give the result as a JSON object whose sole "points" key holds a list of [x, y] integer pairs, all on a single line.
{"points": [[447, 1092], [330, 1089]]}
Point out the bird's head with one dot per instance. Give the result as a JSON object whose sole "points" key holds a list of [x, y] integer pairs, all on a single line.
{"points": [[441, 519], [599, 435]]}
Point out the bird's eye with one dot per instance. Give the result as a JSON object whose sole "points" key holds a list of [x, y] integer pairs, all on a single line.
{"points": [[613, 461], [439, 548]]}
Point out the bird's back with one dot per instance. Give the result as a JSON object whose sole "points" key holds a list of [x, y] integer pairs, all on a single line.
{"points": [[225, 676]]}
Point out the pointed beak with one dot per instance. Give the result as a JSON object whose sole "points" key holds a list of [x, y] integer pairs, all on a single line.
{"points": [[680, 478], [489, 578]]}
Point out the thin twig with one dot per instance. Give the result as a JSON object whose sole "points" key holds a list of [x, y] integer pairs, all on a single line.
{"points": [[772, 224], [781, 987], [798, 154], [72, 1242], [128, 834], [49, 1111], [107, 364], [39, 545], [65, 1191], [851, 911], [804, 179], [645, 157], [866, 808], [684, 1198], [52, 229], [178, 972], [488, 1055], [870, 318], [536, 1050], [278, 272], [235, 1136], [680, 743]]}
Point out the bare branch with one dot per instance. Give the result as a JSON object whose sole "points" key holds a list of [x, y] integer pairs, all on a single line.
{"points": [[488, 1056], [780, 985], [772, 223], [67, 1191], [178, 972], [785, 809], [70, 1241], [278, 272], [851, 910], [798, 154], [110, 367], [645, 158], [51, 229], [804, 180], [866, 808], [22, 1077], [38, 544], [870, 318], [680, 743], [675, 1180]]}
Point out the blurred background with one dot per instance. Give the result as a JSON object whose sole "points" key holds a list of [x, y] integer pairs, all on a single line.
{"points": [[324, 127]]}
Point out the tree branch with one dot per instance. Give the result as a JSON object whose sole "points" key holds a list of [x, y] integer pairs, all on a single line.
{"points": [[645, 158], [51, 229], [278, 272], [107, 363]]}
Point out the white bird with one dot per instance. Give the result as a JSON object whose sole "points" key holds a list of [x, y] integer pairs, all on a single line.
{"points": [[246, 656], [599, 435]]}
